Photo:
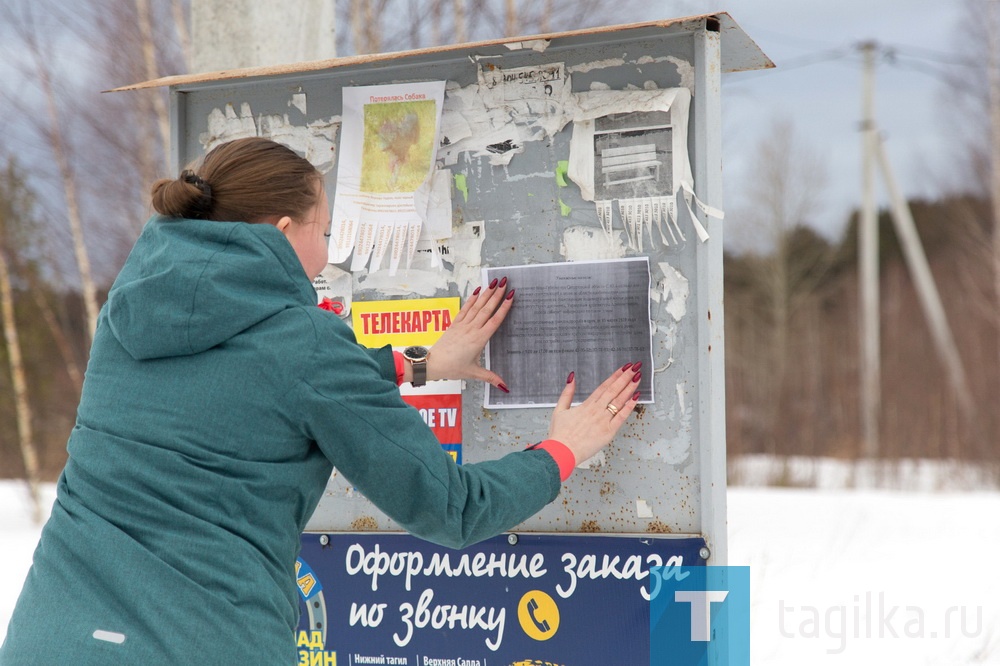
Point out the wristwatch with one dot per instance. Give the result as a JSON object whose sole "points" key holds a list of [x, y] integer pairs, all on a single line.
{"points": [[417, 356]]}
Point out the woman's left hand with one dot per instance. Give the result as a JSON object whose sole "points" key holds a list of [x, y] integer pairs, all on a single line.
{"points": [[456, 354]]}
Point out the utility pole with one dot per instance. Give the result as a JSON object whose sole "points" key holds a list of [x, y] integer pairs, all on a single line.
{"points": [[930, 300], [993, 69], [870, 330], [916, 262]]}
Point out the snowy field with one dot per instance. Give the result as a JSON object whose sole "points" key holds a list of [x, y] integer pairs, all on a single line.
{"points": [[858, 576]]}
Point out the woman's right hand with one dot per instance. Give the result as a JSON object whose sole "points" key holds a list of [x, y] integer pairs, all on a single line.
{"points": [[590, 426]]}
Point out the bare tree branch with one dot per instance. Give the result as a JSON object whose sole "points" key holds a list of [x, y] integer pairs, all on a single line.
{"points": [[29, 34]]}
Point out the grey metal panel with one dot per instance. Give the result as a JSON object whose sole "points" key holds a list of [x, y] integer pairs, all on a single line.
{"points": [[738, 52], [671, 456]]}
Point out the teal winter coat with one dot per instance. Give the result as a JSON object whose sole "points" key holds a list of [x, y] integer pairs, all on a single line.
{"points": [[217, 400]]}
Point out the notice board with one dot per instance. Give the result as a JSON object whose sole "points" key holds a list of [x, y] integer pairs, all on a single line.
{"points": [[591, 145]]}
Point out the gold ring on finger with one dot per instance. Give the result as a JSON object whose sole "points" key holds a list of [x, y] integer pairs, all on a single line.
{"points": [[611, 408]]}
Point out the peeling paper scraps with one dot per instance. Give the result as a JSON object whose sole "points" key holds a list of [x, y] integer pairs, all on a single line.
{"points": [[420, 280], [685, 70], [596, 64], [674, 450], [298, 100], [605, 215], [463, 250], [675, 289], [335, 284], [710, 211], [536, 81], [454, 126], [631, 146], [534, 44], [506, 108], [664, 208], [626, 209], [225, 125], [433, 203], [637, 215], [580, 243], [317, 141]]}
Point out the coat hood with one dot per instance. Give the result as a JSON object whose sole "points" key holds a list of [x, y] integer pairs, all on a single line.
{"points": [[189, 285]]}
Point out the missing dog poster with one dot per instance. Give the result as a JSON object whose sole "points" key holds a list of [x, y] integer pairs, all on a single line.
{"points": [[587, 317], [388, 146]]}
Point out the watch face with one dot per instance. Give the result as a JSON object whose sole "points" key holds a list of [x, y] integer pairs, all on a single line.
{"points": [[415, 353]]}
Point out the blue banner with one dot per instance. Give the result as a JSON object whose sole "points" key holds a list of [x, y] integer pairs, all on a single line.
{"points": [[524, 600]]}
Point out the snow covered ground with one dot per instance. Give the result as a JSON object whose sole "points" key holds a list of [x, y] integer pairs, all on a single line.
{"points": [[838, 576]]}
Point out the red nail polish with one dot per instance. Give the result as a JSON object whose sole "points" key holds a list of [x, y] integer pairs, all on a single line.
{"points": [[635, 397], [636, 366], [494, 283], [569, 380], [476, 292], [503, 282], [626, 367], [503, 387], [510, 295], [636, 377]]}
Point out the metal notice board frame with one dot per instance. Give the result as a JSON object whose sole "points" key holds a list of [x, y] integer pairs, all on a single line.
{"points": [[665, 475]]}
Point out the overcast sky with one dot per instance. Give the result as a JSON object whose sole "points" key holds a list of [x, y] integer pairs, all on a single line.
{"points": [[823, 99], [817, 86]]}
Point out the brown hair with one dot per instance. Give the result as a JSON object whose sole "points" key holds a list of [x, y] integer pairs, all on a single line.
{"points": [[246, 180]]}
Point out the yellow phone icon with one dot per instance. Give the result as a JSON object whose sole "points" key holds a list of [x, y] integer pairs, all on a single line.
{"points": [[543, 625], [538, 614]]}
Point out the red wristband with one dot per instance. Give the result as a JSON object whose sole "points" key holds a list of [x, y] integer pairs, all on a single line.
{"points": [[560, 453], [397, 357]]}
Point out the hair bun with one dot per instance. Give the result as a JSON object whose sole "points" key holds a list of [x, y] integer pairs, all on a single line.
{"points": [[196, 180], [187, 196]]}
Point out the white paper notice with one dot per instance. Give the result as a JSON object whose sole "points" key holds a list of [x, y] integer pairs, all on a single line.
{"points": [[586, 317], [388, 145], [630, 146]]}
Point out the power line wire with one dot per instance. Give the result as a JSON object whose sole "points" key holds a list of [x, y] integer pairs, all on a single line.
{"points": [[806, 60], [931, 55]]}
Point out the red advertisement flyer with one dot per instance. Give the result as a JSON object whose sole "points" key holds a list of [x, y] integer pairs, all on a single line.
{"points": [[402, 323]]}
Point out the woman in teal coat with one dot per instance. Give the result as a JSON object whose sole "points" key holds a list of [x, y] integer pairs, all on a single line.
{"points": [[217, 400]]}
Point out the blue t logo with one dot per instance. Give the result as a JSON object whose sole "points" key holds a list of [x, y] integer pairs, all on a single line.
{"points": [[701, 610], [701, 615]]}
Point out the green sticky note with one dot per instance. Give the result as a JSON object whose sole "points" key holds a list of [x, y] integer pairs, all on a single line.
{"points": [[564, 209], [562, 167], [462, 186]]}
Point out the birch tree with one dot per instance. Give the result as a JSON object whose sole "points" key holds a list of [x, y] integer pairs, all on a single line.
{"points": [[23, 21], [15, 213], [973, 87], [781, 194]]}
